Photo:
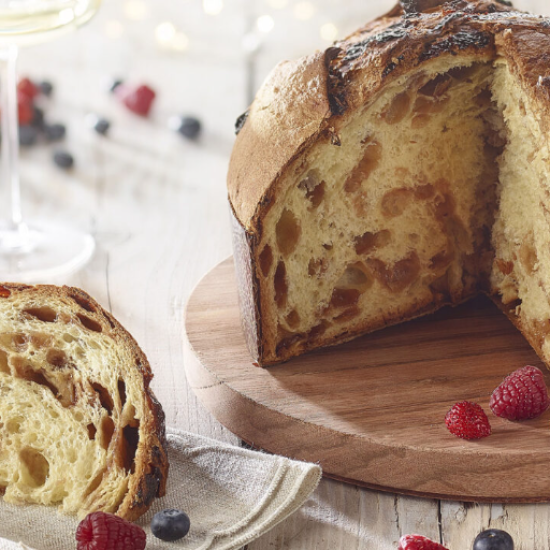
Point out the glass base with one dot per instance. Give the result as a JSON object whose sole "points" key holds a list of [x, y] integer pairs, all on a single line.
{"points": [[42, 252]]}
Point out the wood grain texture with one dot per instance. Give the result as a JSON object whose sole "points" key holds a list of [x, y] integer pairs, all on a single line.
{"points": [[372, 411]]}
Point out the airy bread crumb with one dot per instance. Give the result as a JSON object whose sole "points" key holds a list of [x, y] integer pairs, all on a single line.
{"points": [[79, 427]]}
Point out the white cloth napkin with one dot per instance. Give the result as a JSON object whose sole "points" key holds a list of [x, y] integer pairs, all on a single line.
{"points": [[232, 496]]}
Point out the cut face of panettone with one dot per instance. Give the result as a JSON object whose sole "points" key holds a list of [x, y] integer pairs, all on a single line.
{"points": [[403, 169], [79, 427]]}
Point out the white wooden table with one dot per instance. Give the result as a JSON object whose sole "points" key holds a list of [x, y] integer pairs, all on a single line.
{"points": [[156, 204]]}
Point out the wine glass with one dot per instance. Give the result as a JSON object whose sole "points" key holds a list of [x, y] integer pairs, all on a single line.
{"points": [[39, 249]]}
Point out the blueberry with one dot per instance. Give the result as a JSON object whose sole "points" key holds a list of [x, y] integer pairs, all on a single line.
{"points": [[37, 117], [27, 135], [102, 126], [54, 132], [494, 539], [46, 88], [187, 126], [170, 525], [115, 83], [63, 159]]}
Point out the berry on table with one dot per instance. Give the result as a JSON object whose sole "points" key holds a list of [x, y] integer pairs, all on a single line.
{"points": [[46, 88], [63, 159], [521, 396], [101, 531], [170, 524], [27, 88], [494, 539], [418, 542], [55, 132], [27, 135], [102, 126], [25, 110], [139, 100], [468, 421], [188, 126], [115, 83], [37, 117]]}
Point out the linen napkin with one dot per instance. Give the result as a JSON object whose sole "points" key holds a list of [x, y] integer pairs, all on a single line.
{"points": [[232, 496]]}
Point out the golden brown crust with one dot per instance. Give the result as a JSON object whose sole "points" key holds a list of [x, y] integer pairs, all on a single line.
{"points": [[150, 471], [300, 100], [306, 101]]}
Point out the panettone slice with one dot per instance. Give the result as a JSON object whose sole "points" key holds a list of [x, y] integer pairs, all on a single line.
{"points": [[80, 428], [403, 169]]}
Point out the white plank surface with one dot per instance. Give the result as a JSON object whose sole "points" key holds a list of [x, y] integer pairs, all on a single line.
{"points": [[157, 207]]}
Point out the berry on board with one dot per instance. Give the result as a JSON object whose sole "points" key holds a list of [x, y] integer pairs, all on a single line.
{"points": [[101, 531], [521, 396], [468, 421], [418, 542], [494, 539], [170, 525]]}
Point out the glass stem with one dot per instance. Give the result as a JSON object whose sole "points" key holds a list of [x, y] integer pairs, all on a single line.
{"points": [[10, 136]]}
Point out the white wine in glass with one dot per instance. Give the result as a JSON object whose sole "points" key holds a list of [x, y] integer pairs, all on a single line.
{"points": [[33, 250]]}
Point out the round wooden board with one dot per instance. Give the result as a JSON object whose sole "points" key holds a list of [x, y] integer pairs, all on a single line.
{"points": [[372, 411]]}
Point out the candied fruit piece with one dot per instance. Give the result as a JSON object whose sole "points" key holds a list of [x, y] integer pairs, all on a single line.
{"points": [[398, 108], [45, 314], [288, 340], [288, 232], [528, 255], [293, 319], [344, 297], [4, 292], [395, 202], [347, 315], [281, 285], [315, 189], [355, 276], [427, 106], [436, 87], [504, 267], [266, 260], [424, 192], [367, 165], [371, 241], [318, 330], [399, 276]]}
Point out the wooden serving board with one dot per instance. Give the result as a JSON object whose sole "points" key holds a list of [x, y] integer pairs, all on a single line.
{"points": [[372, 411]]}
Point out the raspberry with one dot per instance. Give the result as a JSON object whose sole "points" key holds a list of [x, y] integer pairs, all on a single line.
{"points": [[468, 421], [101, 531], [25, 112], [522, 395], [139, 100], [27, 88], [418, 542]]}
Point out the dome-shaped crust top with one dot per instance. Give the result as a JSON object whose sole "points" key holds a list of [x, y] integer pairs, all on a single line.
{"points": [[304, 99]]}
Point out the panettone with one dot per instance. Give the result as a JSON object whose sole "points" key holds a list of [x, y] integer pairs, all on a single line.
{"points": [[403, 169], [79, 427]]}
